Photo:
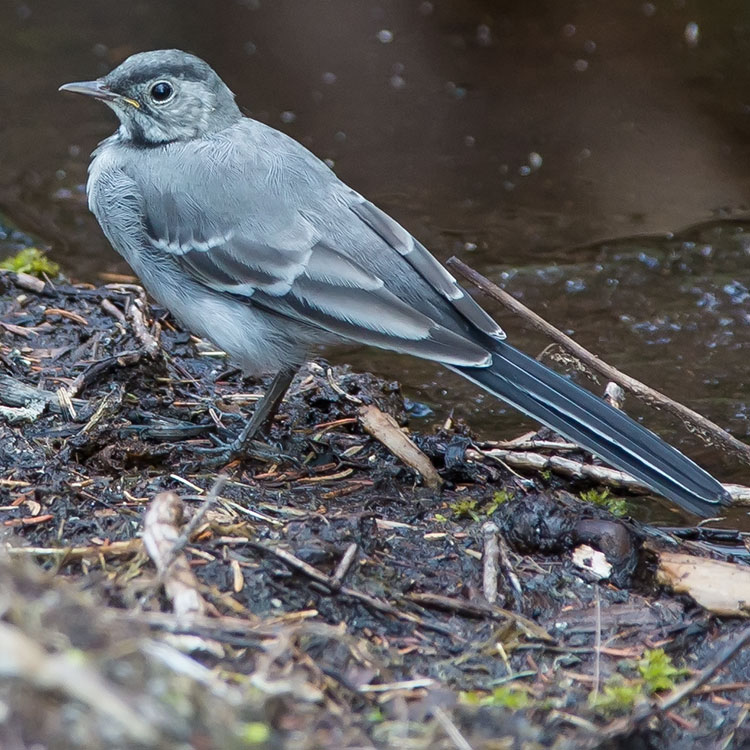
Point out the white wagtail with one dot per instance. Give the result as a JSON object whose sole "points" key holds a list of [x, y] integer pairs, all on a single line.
{"points": [[252, 242]]}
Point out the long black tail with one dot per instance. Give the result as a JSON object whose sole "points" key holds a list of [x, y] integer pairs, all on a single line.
{"points": [[596, 426]]}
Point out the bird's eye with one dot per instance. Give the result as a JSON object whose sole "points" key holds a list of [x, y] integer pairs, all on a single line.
{"points": [[161, 92]]}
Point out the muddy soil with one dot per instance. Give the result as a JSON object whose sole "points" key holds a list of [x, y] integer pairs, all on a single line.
{"points": [[105, 403]]}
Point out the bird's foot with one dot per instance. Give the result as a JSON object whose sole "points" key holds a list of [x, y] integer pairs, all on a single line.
{"points": [[222, 453]]}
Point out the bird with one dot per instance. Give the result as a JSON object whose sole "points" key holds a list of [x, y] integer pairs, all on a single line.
{"points": [[252, 242]]}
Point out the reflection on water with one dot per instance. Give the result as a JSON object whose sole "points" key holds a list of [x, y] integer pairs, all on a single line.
{"points": [[516, 135]]}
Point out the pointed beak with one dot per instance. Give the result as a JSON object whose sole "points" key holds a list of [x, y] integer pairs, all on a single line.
{"points": [[95, 89]]}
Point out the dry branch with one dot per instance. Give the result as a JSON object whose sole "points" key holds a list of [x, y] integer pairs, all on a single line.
{"points": [[383, 427]]}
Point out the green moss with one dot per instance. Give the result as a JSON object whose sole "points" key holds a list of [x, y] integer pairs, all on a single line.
{"points": [[658, 672], [618, 696], [498, 499], [30, 260], [465, 507], [604, 499], [254, 733], [505, 696], [468, 507]]}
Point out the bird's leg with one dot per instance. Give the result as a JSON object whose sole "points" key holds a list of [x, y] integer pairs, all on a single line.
{"points": [[263, 414], [265, 410]]}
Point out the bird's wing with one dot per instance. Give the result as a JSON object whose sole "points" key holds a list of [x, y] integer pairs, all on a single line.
{"points": [[292, 270], [425, 264]]}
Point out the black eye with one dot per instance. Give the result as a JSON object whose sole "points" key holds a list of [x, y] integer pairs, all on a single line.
{"points": [[161, 91]]}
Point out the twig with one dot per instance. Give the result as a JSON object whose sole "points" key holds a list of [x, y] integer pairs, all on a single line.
{"points": [[140, 330], [198, 516], [451, 729], [504, 552], [383, 427], [597, 641], [567, 467], [343, 567], [707, 430], [295, 563], [489, 561]]}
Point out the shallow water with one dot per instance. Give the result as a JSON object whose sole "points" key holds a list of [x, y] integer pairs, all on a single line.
{"points": [[521, 137]]}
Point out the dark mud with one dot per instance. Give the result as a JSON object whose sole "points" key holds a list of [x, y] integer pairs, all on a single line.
{"points": [[403, 650]]}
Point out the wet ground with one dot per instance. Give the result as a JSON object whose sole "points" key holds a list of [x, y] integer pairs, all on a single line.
{"points": [[518, 136], [412, 644]]}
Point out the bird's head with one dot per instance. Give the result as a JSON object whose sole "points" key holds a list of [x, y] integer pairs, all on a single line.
{"points": [[164, 96]]}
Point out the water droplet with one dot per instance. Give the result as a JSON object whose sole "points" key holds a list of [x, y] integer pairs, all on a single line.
{"points": [[459, 92], [568, 30], [589, 47], [329, 163], [581, 65], [288, 116], [535, 161], [692, 34], [470, 141], [398, 82], [329, 78], [385, 36], [484, 35], [249, 48], [470, 246], [524, 170], [426, 8], [649, 9], [339, 136], [100, 50]]}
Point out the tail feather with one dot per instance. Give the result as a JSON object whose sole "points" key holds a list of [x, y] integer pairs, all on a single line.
{"points": [[593, 424]]}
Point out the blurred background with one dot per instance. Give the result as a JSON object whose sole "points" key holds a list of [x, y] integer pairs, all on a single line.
{"points": [[591, 157]]}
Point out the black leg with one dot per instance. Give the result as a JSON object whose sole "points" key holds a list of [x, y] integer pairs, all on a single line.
{"points": [[265, 410]]}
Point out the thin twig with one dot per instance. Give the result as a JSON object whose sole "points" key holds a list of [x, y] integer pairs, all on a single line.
{"points": [[451, 729], [343, 567], [597, 641], [489, 561], [504, 552]]}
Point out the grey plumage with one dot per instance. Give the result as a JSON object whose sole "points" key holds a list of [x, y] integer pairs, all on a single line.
{"points": [[254, 243]]}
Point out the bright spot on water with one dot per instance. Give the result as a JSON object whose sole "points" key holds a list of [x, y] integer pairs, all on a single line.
{"points": [[581, 65], [288, 117], [692, 34], [484, 35], [329, 78], [385, 36], [535, 161], [398, 82]]}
